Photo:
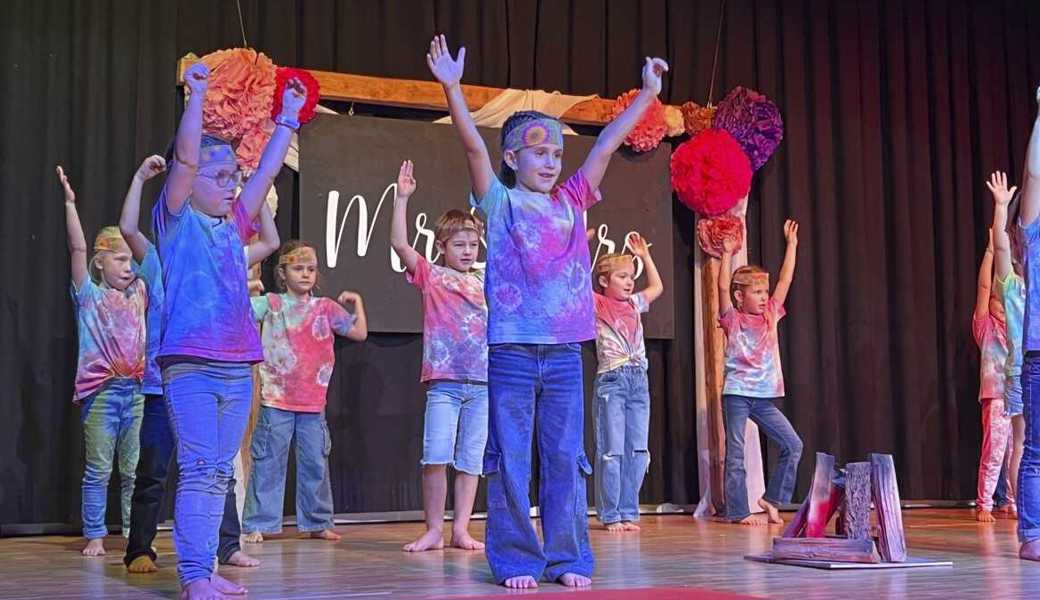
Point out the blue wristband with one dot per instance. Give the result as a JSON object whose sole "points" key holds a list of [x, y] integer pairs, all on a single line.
{"points": [[290, 123]]}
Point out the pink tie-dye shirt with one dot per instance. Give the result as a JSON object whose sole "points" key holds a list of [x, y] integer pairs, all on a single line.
{"points": [[454, 323], [297, 336], [991, 336], [112, 335], [753, 352], [619, 332]]}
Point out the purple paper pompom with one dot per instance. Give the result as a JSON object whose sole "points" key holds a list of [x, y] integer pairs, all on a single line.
{"points": [[754, 121]]}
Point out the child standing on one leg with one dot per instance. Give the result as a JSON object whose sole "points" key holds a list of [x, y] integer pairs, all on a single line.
{"points": [[454, 364], [540, 309], [622, 392], [111, 330], [755, 380], [298, 334]]}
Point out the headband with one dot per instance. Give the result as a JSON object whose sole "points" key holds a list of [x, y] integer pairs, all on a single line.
{"points": [[534, 132], [751, 278], [303, 254], [110, 240]]}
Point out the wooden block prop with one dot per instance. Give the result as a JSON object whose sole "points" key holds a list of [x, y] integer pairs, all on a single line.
{"points": [[892, 541], [829, 549], [797, 524], [856, 522]]}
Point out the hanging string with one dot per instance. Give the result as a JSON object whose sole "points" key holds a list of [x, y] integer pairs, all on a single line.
{"points": [[241, 24], [715, 59]]}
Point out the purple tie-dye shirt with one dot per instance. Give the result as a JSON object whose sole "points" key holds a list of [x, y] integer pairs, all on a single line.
{"points": [[454, 323], [539, 287], [111, 327], [753, 352], [991, 336], [150, 270], [207, 314]]}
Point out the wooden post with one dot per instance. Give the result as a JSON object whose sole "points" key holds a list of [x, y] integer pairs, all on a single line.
{"points": [[890, 515], [857, 500], [824, 497], [714, 345], [828, 549]]}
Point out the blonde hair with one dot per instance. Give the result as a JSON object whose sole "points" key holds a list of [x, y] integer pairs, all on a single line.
{"points": [[607, 264], [109, 240], [746, 276], [455, 221]]}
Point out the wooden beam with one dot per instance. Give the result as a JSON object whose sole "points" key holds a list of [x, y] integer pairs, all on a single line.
{"points": [[428, 95], [831, 549], [889, 511], [857, 500], [714, 348]]}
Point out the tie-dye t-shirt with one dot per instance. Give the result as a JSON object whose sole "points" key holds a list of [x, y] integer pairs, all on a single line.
{"points": [[1031, 255], [150, 270], [1013, 296], [298, 349], [207, 313], [753, 352], [991, 336], [454, 323], [111, 327], [619, 332], [539, 283]]}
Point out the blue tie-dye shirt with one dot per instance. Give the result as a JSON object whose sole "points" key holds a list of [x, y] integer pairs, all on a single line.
{"points": [[1013, 295], [1031, 255], [150, 271]]}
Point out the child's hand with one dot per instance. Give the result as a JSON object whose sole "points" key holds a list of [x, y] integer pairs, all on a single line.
{"points": [[729, 245], [447, 70], [197, 79], [997, 185], [791, 232], [70, 196], [653, 70], [590, 234], [405, 181], [638, 245], [256, 287], [150, 167], [349, 298], [293, 98]]}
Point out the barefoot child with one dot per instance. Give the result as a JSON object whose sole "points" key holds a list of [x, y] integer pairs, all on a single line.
{"points": [[156, 436], [454, 364], [539, 297], [209, 337], [297, 334], [111, 329], [622, 392], [754, 379]]}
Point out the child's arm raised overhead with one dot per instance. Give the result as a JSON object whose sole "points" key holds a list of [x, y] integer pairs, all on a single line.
{"points": [[982, 288], [448, 72], [131, 215], [399, 223], [654, 287], [613, 135], [269, 240], [74, 231], [1031, 178], [186, 144], [254, 192], [359, 332], [726, 275], [783, 283], [1002, 196]]}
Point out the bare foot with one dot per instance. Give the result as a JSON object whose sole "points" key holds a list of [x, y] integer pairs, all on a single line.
{"points": [[614, 527], [433, 539], [241, 559], [464, 541], [521, 582], [984, 516], [227, 587], [574, 580], [771, 512], [142, 564], [94, 547], [202, 589], [326, 534], [755, 520], [1030, 550], [630, 526], [254, 538]]}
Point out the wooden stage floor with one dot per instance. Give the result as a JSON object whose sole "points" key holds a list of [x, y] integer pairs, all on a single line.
{"points": [[673, 551]]}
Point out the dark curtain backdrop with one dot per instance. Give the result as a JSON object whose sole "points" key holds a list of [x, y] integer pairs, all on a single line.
{"points": [[895, 111]]}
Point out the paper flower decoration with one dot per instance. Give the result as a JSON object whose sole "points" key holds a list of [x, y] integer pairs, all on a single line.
{"points": [[754, 121], [673, 120], [711, 233], [651, 129], [696, 118], [238, 99], [283, 75], [710, 172]]}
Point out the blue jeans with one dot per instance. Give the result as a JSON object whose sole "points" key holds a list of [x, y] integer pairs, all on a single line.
{"points": [[455, 430], [622, 437], [736, 410], [209, 409], [265, 495], [1029, 472], [111, 424], [529, 385]]}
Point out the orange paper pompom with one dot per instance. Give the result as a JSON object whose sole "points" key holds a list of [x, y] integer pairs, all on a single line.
{"points": [[697, 118], [651, 129], [238, 100]]}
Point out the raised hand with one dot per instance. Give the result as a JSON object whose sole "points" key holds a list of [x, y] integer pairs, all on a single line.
{"points": [[653, 71], [446, 69], [70, 196], [997, 185], [348, 298], [791, 231], [197, 79], [729, 245], [405, 180], [638, 245], [293, 98], [150, 167]]}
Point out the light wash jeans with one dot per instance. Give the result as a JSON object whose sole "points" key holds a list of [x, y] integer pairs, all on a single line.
{"points": [[622, 439]]}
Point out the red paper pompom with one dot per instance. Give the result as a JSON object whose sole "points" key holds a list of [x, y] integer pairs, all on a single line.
{"points": [[651, 129], [712, 232], [282, 76], [710, 172]]}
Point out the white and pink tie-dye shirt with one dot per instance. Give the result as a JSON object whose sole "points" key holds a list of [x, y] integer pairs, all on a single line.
{"points": [[753, 352], [112, 337], [991, 336], [619, 332], [454, 323], [297, 336]]}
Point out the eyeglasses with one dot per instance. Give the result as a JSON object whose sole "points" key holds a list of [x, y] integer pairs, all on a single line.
{"points": [[223, 178]]}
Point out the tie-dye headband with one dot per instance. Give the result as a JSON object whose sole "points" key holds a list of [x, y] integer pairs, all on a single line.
{"points": [[751, 278], [533, 133], [110, 240], [216, 153], [303, 254]]}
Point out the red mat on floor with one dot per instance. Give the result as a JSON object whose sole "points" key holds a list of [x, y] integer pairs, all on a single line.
{"points": [[601, 594]]}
